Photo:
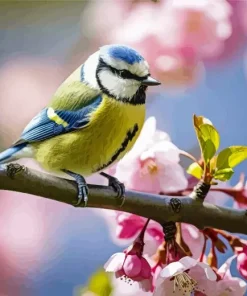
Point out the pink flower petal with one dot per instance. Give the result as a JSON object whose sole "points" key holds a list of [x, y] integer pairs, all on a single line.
{"points": [[146, 285], [166, 288], [132, 266], [166, 151], [128, 225], [203, 284], [134, 179], [172, 178], [156, 232], [123, 288], [171, 269], [161, 136], [119, 273], [115, 262], [143, 142], [145, 269], [242, 264], [231, 287], [188, 262], [193, 238], [211, 275]]}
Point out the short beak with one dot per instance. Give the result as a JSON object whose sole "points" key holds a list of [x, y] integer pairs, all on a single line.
{"points": [[150, 81]]}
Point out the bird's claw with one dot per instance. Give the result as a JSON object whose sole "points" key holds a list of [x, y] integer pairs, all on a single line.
{"points": [[119, 188], [82, 188], [82, 195]]}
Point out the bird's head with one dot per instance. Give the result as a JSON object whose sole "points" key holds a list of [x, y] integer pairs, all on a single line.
{"points": [[120, 72]]}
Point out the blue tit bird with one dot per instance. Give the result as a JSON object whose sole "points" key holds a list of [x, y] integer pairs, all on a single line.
{"points": [[93, 119]]}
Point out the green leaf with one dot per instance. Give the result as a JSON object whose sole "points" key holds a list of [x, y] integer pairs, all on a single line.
{"points": [[208, 137], [213, 163], [100, 283], [231, 156], [224, 174], [195, 170], [199, 120]]}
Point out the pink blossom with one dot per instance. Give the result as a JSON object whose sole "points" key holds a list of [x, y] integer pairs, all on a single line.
{"points": [[242, 262], [115, 11], [131, 266], [237, 40], [226, 285], [175, 35], [153, 163], [124, 227], [129, 225], [201, 25], [184, 277]]}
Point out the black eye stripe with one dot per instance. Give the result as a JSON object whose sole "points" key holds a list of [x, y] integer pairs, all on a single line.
{"points": [[125, 74]]}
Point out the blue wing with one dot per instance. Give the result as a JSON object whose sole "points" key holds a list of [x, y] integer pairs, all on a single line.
{"points": [[50, 122]]}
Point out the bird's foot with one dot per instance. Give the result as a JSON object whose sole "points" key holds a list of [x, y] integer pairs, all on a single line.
{"points": [[82, 188], [117, 186]]}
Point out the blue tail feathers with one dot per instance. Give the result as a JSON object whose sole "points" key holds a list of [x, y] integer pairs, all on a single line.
{"points": [[9, 154]]}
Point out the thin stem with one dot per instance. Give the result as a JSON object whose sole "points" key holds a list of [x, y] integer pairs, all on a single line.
{"points": [[228, 191], [160, 256], [203, 249], [180, 240], [142, 233], [188, 155], [167, 254]]}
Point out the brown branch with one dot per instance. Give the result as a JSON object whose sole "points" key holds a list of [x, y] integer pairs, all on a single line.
{"points": [[160, 208]]}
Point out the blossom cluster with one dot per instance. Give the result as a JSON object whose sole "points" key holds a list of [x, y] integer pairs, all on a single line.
{"points": [[151, 265], [177, 37]]}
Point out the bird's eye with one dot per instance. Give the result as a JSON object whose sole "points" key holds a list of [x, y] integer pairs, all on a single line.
{"points": [[124, 74]]}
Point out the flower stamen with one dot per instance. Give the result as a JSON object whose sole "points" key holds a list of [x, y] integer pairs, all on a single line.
{"points": [[149, 166], [126, 279], [182, 281]]}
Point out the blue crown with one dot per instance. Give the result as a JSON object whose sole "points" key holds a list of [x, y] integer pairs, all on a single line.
{"points": [[124, 53]]}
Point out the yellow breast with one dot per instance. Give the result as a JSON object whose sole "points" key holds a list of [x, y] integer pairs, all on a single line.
{"points": [[114, 127]]}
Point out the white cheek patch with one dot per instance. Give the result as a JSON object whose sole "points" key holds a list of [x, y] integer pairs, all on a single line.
{"points": [[118, 87], [90, 67]]}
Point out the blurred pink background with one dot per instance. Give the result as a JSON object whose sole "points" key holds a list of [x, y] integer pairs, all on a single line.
{"points": [[48, 248]]}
